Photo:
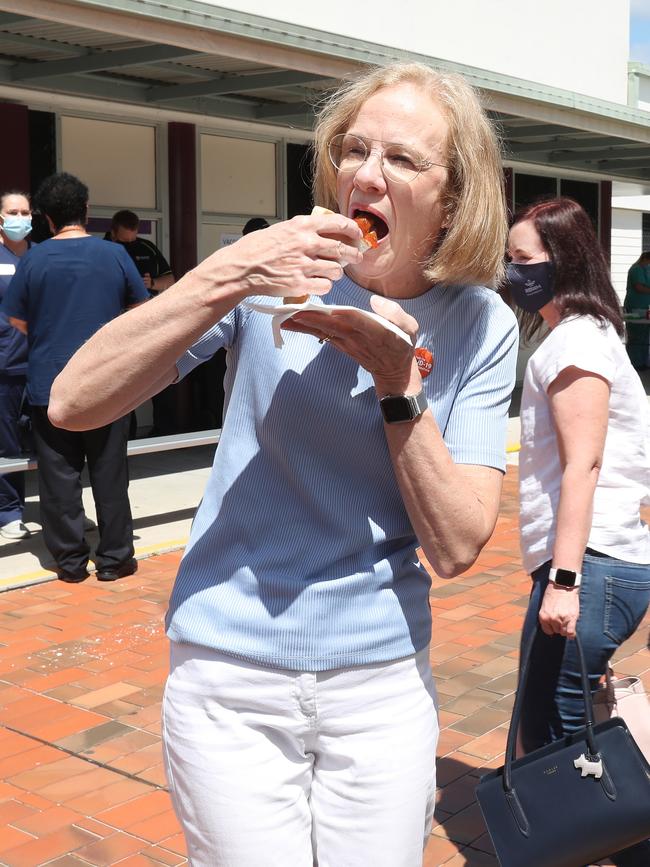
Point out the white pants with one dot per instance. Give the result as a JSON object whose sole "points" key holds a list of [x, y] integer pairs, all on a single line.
{"points": [[290, 769]]}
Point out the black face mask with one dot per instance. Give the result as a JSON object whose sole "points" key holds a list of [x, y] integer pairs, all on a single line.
{"points": [[531, 286]]}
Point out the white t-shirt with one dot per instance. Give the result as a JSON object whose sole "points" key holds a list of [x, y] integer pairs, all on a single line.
{"points": [[624, 479]]}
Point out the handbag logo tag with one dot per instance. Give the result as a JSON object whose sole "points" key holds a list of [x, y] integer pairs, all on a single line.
{"points": [[587, 767]]}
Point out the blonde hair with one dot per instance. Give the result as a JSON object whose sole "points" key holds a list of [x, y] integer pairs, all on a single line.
{"points": [[471, 249]]}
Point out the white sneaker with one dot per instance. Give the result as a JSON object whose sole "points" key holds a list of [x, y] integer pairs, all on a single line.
{"points": [[14, 530]]}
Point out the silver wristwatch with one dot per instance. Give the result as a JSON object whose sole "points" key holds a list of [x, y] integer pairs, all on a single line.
{"points": [[398, 408]]}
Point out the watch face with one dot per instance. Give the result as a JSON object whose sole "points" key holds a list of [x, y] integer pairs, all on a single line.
{"points": [[396, 409], [565, 577]]}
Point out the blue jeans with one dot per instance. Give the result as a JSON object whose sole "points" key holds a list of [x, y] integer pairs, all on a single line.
{"points": [[614, 596]]}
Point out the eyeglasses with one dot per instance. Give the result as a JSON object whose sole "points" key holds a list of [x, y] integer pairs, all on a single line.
{"points": [[399, 162]]}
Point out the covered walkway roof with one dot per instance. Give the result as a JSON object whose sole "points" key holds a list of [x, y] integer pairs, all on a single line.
{"points": [[193, 57]]}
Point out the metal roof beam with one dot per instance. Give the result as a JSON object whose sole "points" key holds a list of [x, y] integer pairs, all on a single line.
{"points": [[8, 19], [615, 155], [572, 144], [233, 84], [45, 44], [618, 168], [222, 107], [93, 86], [119, 90], [98, 61], [499, 116], [286, 109], [606, 165], [537, 130]]}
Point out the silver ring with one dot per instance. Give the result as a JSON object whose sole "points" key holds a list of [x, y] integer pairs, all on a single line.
{"points": [[325, 339]]}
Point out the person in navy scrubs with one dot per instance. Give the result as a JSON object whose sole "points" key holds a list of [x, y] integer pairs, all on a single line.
{"points": [[63, 291], [15, 228]]}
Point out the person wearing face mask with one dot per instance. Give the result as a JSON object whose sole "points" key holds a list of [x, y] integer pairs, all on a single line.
{"points": [[15, 226], [300, 717], [64, 290], [584, 470]]}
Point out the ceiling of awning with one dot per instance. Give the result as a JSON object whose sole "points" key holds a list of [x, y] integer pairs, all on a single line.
{"points": [[59, 58], [566, 147], [56, 57]]}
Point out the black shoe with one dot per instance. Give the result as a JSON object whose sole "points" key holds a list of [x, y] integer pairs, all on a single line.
{"points": [[71, 577], [113, 573]]}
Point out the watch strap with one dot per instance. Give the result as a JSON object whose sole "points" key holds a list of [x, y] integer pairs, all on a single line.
{"points": [[397, 408]]}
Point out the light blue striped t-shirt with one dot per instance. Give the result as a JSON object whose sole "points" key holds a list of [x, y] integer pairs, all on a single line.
{"points": [[302, 555]]}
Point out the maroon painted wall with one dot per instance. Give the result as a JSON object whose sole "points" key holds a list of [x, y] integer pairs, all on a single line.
{"points": [[508, 180], [183, 246], [14, 146], [605, 222]]}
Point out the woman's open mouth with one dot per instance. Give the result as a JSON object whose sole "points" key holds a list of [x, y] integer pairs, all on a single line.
{"points": [[374, 228]]}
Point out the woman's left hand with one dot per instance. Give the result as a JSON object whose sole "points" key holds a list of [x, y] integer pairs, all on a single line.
{"points": [[560, 611], [382, 353]]}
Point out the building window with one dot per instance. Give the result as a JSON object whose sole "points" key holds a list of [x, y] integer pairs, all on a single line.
{"points": [[531, 188], [585, 193], [238, 176], [299, 178], [117, 161], [534, 188]]}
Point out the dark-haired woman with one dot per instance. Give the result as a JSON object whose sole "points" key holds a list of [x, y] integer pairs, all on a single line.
{"points": [[584, 469]]}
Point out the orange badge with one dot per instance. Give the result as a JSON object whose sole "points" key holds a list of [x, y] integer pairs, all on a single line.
{"points": [[425, 361]]}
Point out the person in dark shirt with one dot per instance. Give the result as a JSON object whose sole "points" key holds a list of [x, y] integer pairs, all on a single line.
{"points": [[149, 261], [15, 228], [157, 276], [63, 291], [254, 225], [637, 301]]}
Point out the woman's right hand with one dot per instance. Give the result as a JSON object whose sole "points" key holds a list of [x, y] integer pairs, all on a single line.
{"points": [[560, 610], [302, 256]]}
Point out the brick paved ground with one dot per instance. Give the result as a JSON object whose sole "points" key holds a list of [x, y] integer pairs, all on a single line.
{"points": [[81, 678]]}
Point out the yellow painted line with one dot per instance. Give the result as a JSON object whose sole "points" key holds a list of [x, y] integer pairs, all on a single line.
{"points": [[26, 577], [168, 545], [42, 575]]}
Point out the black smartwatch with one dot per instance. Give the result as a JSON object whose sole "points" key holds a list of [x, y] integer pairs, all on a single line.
{"points": [[398, 408], [564, 578]]}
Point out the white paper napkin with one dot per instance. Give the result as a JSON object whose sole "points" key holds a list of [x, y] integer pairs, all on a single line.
{"points": [[282, 312]]}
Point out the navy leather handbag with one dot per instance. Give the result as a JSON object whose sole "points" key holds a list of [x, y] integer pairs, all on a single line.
{"points": [[572, 802]]}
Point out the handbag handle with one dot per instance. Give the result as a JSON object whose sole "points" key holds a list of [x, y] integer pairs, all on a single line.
{"points": [[519, 701]]}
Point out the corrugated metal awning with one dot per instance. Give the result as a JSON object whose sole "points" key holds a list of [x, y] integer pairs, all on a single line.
{"points": [[244, 67]]}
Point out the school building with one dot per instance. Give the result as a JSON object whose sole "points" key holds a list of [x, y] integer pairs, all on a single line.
{"points": [[198, 115]]}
